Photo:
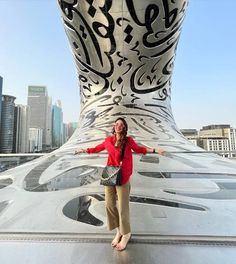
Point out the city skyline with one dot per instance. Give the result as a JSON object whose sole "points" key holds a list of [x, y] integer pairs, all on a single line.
{"points": [[53, 102], [37, 126], [36, 52]]}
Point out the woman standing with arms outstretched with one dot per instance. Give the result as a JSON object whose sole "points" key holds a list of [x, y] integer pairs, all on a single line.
{"points": [[118, 212]]}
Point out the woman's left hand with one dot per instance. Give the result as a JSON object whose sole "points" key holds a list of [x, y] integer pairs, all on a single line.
{"points": [[161, 152], [157, 151]]}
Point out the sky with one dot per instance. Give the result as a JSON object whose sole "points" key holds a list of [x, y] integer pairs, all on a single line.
{"points": [[34, 50]]}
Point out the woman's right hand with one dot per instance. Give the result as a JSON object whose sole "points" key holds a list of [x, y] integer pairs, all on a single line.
{"points": [[78, 151]]}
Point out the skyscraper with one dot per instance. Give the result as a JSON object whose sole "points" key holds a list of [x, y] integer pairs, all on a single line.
{"points": [[35, 139], [21, 129], [1, 81], [40, 112], [49, 124], [71, 128], [65, 133], [57, 124], [7, 124]]}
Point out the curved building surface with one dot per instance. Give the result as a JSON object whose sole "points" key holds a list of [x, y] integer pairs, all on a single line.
{"points": [[182, 204]]}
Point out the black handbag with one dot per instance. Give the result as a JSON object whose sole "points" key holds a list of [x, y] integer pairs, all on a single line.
{"points": [[111, 175]]}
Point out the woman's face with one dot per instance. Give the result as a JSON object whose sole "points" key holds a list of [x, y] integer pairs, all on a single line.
{"points": [[119, 126]]}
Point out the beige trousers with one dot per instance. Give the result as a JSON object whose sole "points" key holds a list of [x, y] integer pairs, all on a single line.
{"points": [[117, 207]]}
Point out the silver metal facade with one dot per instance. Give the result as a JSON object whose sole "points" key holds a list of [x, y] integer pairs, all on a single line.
{"points": [[124, 53]]}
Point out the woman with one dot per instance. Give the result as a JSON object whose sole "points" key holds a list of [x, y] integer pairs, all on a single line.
{"points": [[118, 217]]}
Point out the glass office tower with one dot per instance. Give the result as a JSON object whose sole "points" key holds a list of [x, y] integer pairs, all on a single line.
{"points": [[7, 121]]}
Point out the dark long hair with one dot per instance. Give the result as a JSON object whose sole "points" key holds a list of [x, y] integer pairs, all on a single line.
{"points": [[123, 135]]}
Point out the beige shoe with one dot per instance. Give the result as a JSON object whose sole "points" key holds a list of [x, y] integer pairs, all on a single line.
{"points": [[123, 243]]}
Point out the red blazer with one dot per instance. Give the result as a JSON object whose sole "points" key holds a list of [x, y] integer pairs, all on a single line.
{"points": [[114, 154]]}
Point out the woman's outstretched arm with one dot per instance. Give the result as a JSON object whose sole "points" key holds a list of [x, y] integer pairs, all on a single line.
{"points": [[156, 150], [144, 150], [96, 149]]}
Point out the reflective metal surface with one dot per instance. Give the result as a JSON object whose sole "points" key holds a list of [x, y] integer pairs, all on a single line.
{"points": [[182, 204], [124, 52]]}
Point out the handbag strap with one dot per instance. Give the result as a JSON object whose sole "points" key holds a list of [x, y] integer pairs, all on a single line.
{"points": [[123, 151]]}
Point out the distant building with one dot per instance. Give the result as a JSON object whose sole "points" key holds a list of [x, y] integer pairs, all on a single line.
{"points": [[224, 132], [40, 112], [230, 133], [35, 139], [194, 141], [71, 128], [65, 133], [189, 132], [7, 124], [57, 125], [216, 138], [191, 135], [49, 124], [21, 129], [211, 133], [1, 82], [220, 145], [220, 133], [215, 126]]}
